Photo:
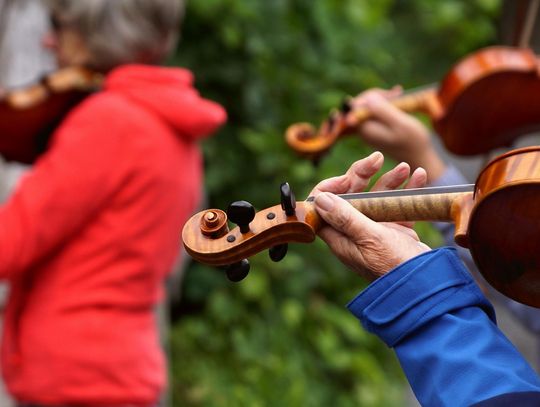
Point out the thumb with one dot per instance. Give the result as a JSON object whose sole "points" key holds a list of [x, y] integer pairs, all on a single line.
{"points": [[341, 216]]}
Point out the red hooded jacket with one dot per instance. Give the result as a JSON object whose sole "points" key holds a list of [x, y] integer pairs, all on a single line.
{"points": [[89, 235]]}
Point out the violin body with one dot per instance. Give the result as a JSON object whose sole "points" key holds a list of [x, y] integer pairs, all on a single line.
{"points": [[504, 227], [499, 222], [29, 116], [488, 100], [485, 101]]}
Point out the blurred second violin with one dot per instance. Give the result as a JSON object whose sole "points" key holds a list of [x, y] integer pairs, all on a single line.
{"points": [[29, 115], [485, 101]]}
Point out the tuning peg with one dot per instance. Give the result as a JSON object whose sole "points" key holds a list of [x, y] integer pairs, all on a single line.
{"points": [[241, 213], [278, 252], [346, 105], [288, 201], [238, 271]]}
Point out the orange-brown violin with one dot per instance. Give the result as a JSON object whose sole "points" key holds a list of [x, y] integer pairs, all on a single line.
{"points": [[498, 219], [485, 101], [29, 115]]}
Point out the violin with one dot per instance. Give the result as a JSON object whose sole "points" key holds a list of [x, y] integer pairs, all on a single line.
{"points": [[486, 101], [29, 115], [497, 219]]}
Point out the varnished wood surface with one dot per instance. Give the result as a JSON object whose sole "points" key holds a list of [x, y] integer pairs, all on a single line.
{"points": [[28, 115], [505, 225], [270, 230], [265, 232]]}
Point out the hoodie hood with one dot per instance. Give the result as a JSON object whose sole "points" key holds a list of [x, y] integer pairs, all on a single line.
{"points": [[168, 93]]}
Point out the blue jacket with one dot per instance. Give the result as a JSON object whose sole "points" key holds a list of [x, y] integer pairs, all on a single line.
{"points": [[444, 333]]}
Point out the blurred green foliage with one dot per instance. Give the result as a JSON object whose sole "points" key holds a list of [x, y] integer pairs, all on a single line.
{"points": [[282, 337]]}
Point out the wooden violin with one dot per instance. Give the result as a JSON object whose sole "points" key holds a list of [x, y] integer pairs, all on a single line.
{"points": [[498, 219], [29, 115], [485, 101]]}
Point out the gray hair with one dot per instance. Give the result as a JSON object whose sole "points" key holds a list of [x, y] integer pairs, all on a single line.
{"points": [[122, 31]]}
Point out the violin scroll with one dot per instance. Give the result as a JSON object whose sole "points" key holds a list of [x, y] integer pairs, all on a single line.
{"points": [[214, 223], [208, 239], [312, 143]]}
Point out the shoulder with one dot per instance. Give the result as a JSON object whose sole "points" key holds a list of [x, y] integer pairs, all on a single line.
{"points": [[103, 105], [103, 115]]}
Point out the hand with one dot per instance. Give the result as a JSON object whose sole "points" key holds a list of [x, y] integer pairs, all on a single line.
{"points": [[397, 134], [369, 248]]}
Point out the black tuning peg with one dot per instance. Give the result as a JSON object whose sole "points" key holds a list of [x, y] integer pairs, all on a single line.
{"points": [[331, 121], [237, 271], [278, 252], [241, 213], [288, 201], [346, 105]]}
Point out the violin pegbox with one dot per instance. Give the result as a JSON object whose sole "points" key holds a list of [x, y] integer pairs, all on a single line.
{"points": [[208, 239]]}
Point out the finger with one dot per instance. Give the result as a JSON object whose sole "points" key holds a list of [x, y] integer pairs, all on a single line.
{"points": [[346, 251], [418, 179], [361, 171], [386, 112], [355, 179], [360, 100], [336, 185], [340, 215], [393, 178], [404, 227], [332, 237], [373, 132]]}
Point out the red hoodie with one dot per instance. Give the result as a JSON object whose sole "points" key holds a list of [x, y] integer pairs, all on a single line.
{"points": [[91, 232]]}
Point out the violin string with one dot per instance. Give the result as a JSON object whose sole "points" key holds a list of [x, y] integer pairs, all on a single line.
{"points": [[405, 192], [421, 88], [530, 20], [5, 8]]}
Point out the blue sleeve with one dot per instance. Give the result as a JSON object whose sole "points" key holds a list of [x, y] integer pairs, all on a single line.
{"points": [[444, 333]]}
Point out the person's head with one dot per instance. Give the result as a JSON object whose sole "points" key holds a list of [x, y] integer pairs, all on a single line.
{"points": [[103, 34]]}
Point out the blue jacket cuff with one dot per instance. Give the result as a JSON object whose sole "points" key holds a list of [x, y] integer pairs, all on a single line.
{"points": [[416, 292]]}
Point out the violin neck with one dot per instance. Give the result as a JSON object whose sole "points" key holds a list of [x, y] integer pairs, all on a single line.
{"points": [[423, 100], [441, 204], [408, 208]]}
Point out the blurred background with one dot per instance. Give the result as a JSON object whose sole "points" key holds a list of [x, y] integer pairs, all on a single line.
{"points": [[283, 337]]}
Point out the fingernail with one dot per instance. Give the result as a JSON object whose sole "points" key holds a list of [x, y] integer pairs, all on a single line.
{"points": [[376, 158], [376, 155], [403, 167], [324, 201]]}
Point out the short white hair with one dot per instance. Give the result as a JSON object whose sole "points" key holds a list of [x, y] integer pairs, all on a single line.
{"points": [[117, 32]]}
